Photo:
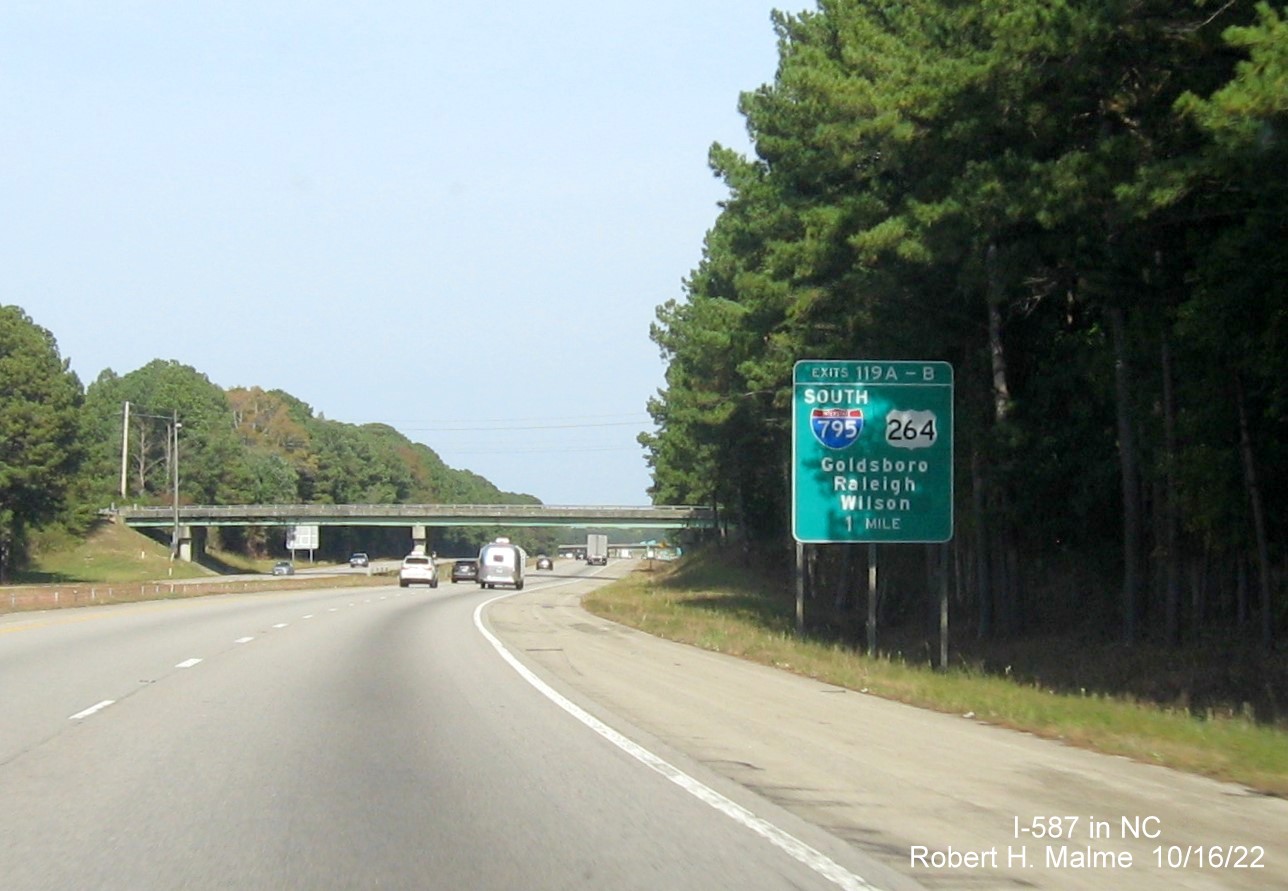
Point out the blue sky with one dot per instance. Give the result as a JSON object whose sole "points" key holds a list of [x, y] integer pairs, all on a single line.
{"points": [[454, 219]]}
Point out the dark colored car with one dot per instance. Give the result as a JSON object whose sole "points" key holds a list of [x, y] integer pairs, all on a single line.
{"points": [[465, 571], [359, 560], [544, 562], [283, 567]]}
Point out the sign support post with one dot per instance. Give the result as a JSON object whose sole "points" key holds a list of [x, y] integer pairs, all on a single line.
{"points": [[945, 564]]}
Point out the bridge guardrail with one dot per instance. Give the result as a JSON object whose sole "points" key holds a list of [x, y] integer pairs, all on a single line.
{"points": [[295, 514]]}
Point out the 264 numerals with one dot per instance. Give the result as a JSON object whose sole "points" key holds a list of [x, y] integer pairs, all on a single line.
{"points": [[903, 429]]}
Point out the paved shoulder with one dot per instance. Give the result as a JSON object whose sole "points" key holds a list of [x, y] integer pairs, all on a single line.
{"points": [[945, 799]]}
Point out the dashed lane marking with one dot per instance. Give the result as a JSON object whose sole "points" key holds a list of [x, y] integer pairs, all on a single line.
{"points": [[91, 710]]}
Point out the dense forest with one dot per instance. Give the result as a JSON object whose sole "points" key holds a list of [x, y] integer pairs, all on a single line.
{"points": [[61, 455], [1081, 206]]}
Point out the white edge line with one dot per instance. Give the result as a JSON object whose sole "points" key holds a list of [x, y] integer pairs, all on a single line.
{"points": [[788, 843], [91, 710]]}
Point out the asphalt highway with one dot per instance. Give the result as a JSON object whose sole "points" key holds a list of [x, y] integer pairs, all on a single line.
{"points": [[459, 738], [353, 739]]}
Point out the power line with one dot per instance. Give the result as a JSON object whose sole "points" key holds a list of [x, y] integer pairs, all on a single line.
{"points": [[513, 423], [535, 451], [506, 425]]}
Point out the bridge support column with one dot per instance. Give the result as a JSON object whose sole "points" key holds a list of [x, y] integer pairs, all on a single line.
{"points": [[185, 544], [419, 540]]}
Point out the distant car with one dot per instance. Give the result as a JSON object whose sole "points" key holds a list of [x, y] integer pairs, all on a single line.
{"points": [[544, 562], [418, 569], [283, 567], [359, 560], [465, 571]]}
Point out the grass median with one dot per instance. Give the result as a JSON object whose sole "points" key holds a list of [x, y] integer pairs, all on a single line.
{"points": [[727, 610], [115, 564]]}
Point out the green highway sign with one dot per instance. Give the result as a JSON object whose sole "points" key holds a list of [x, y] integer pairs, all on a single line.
{"points": [[872, 451]]}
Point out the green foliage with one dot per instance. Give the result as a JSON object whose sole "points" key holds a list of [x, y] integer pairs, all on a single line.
{"points": [[922, 167], [1248, 113], [61, 451], [40, 449], [209, 458]]}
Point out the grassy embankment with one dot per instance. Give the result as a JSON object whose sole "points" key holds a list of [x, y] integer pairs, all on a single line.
{"points": [[707, 604], [115, 564]]}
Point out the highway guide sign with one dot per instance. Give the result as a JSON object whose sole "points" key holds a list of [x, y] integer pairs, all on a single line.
{"points": [[301, 538], [872, 451]]}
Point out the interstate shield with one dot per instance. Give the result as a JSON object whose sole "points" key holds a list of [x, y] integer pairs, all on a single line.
{"points": [[836, 428]]}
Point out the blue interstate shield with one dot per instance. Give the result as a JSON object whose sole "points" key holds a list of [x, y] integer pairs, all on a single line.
{"points": [[836, 428]]}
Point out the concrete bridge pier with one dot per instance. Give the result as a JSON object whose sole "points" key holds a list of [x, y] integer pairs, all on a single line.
{"points": [[419, 540], [183, 543]]}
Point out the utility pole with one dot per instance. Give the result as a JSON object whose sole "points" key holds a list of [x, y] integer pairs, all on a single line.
{"points": [[174, 455], [125, 446]]}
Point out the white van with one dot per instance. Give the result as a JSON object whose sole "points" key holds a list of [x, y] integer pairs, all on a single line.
{"points": [[502, 563]]}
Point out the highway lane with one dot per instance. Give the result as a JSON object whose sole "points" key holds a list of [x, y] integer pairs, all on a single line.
{"points": [[351, 738]]}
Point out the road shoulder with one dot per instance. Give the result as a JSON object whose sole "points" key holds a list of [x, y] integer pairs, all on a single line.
{"points": [[902, 785]]}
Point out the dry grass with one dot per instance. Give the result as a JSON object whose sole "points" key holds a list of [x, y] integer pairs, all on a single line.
{"points": [[741, 615]]}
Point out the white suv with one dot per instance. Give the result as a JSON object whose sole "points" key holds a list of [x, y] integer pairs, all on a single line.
{"points": [[418, 569]]}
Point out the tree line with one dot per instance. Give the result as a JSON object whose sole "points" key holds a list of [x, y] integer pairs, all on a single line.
{"points": [[1080, 205], [62, 457]]}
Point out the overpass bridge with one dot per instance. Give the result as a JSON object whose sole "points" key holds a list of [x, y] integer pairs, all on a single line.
{"points": [[417, 517]]}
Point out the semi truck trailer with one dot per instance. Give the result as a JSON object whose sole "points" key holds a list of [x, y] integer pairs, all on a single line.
{"points": [[597, 550]]}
